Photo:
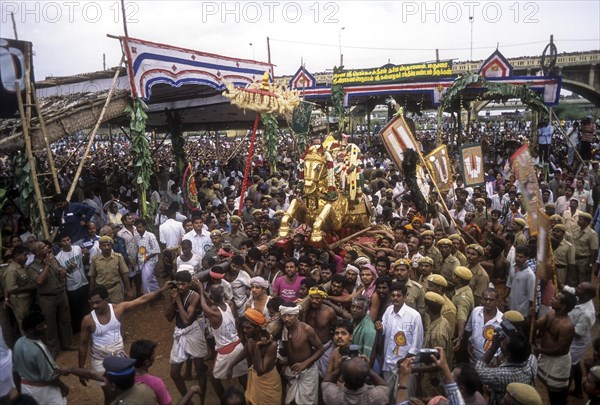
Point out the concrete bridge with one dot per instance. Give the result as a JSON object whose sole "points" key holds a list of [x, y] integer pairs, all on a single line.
{"points": [[580, 71]]}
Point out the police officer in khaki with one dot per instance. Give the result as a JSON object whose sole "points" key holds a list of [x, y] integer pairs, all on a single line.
{"points": [[457, 245], [564, 255], [586, 248], [463, 299], [415, 295], [428, 249], [558, 220], [438, 285], [52, 298], [449, 262], [235, 237], [109, 270], [425, 268], [481, 280], [518, 227], [19, 286]]}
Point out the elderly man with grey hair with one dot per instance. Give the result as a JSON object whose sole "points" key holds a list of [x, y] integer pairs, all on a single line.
{"points": [[364, 330]]}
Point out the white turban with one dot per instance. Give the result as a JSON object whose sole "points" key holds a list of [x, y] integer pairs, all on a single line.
{"points": [[289, 310], [261, 282], [352, 268]]}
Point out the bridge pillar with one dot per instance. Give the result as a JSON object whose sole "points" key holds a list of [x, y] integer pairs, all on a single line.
{"points": [[592, 75]]}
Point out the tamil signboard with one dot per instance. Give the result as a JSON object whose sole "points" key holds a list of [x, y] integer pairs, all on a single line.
{"points": [[394, 73]]}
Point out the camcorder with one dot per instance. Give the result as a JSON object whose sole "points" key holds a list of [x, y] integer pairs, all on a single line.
{"points": [[423, 356], [505, 329], [351, 351]]}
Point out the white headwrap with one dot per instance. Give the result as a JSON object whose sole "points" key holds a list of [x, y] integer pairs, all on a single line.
{"points": [[261, 282], [289, 310], [352, 268]]}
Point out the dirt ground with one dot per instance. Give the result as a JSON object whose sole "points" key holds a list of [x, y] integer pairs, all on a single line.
{"points": [[146, 322]]}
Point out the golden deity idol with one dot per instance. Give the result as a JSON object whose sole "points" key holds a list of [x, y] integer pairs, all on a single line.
{"points": [[331, 198]]}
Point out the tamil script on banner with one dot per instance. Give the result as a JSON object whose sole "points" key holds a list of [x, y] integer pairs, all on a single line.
{"points": [[397, 138], [524, 170], [152, 63], [12, 71], [394, 73], [439, 166], [471, 157]]}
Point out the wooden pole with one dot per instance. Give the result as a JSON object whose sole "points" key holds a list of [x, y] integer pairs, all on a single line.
{"points": [[14, 25], [248, 163], [348, 238], [93, 134], [553, 114]]}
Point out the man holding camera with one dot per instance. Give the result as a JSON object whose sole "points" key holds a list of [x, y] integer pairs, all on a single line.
{"points": [[519, 365], [354, 371]]}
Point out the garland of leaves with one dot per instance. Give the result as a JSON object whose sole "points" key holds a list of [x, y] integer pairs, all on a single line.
{"points": [[140, 149], [499, 92], [269, 138], [337, 98], [24, 180]]}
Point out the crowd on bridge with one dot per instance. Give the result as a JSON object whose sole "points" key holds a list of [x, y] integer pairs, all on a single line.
{"points": [[441, 306]]}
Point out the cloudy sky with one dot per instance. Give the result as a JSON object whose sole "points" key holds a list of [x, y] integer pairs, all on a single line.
{"points": [[69, 37]]}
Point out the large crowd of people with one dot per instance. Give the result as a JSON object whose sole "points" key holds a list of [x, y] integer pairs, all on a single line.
{"points": [[427, 306]]}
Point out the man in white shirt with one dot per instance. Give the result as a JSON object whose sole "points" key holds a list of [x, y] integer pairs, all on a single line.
{"points": [[170, 233], [402, 328], [482, 323], [583, 317], [199, 237], [520, 285]]}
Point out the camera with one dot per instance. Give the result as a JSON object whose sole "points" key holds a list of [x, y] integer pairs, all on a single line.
{"points": [[424, 356], [351, 351], [505, 329]]}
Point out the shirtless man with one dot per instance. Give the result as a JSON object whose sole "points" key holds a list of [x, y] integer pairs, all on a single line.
{"points": [[222, 321], [264, 382], [188, 337], [303, 348], [102, 327], [343, 338], [322, 319], [557, 332]]}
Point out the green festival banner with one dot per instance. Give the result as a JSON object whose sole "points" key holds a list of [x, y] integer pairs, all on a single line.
{"points": [[394, 73]]}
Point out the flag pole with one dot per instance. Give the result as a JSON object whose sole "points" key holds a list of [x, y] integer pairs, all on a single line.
{"points": [[429, 172]]}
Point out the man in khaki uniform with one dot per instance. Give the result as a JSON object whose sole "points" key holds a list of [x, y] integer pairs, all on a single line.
{"points": [[438, 284], [564, 255], [518, 227], [437, 334], [449, 262], [457, 245], [415, 295], [586, 248], [425, 268], [235, 237], [481, 280], [49, 277], [19, 286], [428, 249], [481, 216], [109, 269], [558, 220], [463, 299]]}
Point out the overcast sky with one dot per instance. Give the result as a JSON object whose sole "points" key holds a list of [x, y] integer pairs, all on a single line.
{"points": [[69, 37]]}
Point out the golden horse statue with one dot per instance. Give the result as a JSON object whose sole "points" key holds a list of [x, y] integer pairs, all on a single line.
{"points": [[331, 198]]}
